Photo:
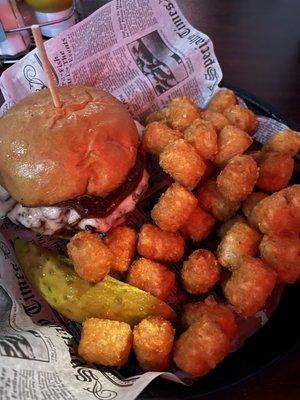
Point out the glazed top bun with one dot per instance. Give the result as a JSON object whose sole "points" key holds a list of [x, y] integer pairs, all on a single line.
{"points": [[48, 154]]}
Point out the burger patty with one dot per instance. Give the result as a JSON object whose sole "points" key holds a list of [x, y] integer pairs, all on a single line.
{"points": [[50, 220]]}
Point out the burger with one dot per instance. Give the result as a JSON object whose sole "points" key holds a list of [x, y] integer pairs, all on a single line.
{"points": [[70, 168]]}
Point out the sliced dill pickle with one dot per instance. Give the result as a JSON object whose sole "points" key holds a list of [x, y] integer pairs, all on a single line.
{"points": [[55, 279], [119, 301]]}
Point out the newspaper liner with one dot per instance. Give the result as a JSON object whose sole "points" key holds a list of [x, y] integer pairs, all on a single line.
{"points": [[144, 53]]}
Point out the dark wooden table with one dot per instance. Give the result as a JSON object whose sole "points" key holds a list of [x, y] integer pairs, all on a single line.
{"points": [[257, 43]]}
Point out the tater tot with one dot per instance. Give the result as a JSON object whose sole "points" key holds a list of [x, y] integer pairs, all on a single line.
{"points": [[251, 201], [183, 111], [231, 142], [212, 200], [221, 100], [217, 119], [200, 272], [282, 253], [156, 244], [151, 277], [239, 241], [210, 309], [105, 342], [122, 242], [286, 142], [180, 160], [237, 179], [153, 340], [275, 171], [157, 136], [199, 225], [279, 214], [174, 208], [202, 135], [248, 287], [92, 259], [224, 228], [201, 348], [241, 117], [160, 115]]}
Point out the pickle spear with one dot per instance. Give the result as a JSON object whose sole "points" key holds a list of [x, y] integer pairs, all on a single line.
{"points": [[55, 279]]}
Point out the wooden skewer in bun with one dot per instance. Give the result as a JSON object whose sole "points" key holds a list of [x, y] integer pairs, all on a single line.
{"points": [[46, 65]]}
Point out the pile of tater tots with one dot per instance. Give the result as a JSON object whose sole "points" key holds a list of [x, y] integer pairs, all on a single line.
{"points": [[222, 189]]}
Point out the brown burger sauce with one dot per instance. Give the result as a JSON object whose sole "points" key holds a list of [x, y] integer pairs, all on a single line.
{"points": [[100, 207]]}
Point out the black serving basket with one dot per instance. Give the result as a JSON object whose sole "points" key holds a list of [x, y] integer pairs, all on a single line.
{"points": [[269, 346]]}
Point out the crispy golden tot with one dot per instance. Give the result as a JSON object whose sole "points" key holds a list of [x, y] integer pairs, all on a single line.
{"points": [[199, 225], [160, 115], [286, 142], [105, 342], [217, 119], [122, 242], [239, 241], [224, 228], [159, 245], [202, 135], [200, 272], [151, 277], [152, 342], [221, 100], [212, 200], [174, 208], [282, 253], [275, 171], [201, 348], [183, 111], [180, 160], [251, 201], [231, 142], [237, 179], [249, 286], [92, 259], [212, 310], [157, 136], [279, 214], [241, 117]]}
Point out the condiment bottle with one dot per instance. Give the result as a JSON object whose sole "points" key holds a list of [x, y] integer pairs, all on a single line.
{"points": [[52, 10]]}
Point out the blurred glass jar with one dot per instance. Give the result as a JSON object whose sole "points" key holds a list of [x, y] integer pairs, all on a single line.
{"points": [[46, 11]]}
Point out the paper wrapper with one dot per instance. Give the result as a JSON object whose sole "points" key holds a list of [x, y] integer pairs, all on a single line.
{"points": [[144, 53]]}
